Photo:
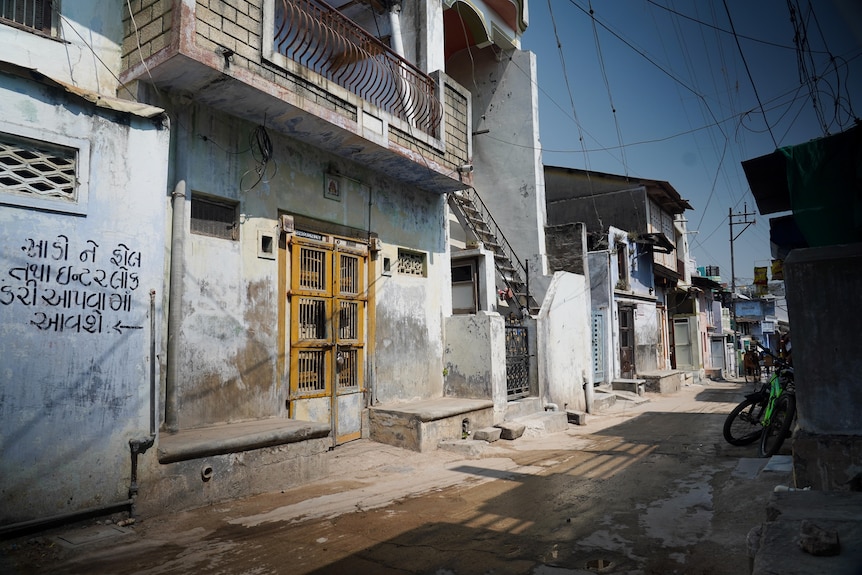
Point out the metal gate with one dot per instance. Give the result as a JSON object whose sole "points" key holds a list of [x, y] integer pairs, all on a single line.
{"points": [[598, 347], [327, 298], [517, 361]]}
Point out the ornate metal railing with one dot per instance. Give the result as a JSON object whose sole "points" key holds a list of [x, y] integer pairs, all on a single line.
{"points": [[317, 36]]}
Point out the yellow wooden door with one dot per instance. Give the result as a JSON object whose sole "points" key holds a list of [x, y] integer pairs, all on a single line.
{"points": [[328, 294]]}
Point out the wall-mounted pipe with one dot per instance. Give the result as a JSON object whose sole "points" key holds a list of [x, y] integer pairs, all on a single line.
{"points": [[24, 527], [178, 205], [395, 23], [153, 404]]}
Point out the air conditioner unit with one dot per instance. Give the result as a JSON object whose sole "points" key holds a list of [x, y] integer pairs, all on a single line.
{"points": [[286, 223]]}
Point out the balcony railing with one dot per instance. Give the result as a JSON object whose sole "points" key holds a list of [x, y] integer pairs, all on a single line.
{"points": [[315, 35]]}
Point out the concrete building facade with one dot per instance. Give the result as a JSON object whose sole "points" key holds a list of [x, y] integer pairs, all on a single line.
{"points": [[245, 259], [82, 222], [637, 246]]}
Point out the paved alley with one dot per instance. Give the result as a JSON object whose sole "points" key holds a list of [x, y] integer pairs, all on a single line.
{"points": [[650, 488]]}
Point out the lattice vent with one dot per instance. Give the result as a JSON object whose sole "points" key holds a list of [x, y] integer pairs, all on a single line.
{"points": [[411, 263], [31, 168]]}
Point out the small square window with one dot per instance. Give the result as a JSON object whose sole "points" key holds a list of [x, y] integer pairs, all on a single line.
{"points": [[215, 218]]}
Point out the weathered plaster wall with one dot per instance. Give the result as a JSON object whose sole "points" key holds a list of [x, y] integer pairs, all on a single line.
{"points": [[627, 209], [567, 248], [75, 308], [71, 60], [824, 325], [565, 364], [230, 304], [509, 179], [821, 285], [475, 358]]}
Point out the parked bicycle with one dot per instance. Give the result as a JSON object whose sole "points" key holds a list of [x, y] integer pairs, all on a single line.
{"points": [[767, 413]]}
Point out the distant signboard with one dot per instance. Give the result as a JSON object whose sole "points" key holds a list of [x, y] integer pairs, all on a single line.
{"points": [[749, 309]]}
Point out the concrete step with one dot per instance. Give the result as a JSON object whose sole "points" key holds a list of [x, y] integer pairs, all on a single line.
{"points": [[603, 400], [540, 424], [422, 425], [637, 386]]}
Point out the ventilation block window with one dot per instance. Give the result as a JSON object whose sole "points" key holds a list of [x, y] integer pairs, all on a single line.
{"points": [[215, 218], [34, 14], [411, 263], [35, 169]]}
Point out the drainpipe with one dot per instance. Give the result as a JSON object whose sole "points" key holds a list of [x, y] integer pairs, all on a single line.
{"points": [[140, 446], [25, 527], [395, 23], [589, 392], [178, 204]]}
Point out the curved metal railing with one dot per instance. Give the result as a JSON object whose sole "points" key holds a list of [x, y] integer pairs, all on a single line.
{"points": [[317, 36]]}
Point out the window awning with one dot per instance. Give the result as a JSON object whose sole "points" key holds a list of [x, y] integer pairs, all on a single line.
{"points": [[100, 100]]}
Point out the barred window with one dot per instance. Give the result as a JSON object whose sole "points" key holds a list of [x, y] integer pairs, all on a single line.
{"points": [[33, 168], [215, 218], [34, 14]]}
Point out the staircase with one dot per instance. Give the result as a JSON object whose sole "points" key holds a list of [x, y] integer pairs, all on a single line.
{"points": [[473, 215]]}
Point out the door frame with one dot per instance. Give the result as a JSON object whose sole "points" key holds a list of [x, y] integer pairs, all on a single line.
{"points": [[334, 346], [627, 310]]}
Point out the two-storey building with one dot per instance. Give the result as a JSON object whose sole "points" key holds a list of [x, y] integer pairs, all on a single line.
{"points": [[227, 242], [636, 244]]}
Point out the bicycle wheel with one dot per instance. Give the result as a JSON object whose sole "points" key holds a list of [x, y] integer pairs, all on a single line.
{"points": [[742, 426], [779, 426]]}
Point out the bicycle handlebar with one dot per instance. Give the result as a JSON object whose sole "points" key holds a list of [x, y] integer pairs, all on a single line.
{"points": [[781, 362]]}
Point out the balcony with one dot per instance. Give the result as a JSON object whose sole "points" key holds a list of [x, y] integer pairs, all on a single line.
{"points": [[304, 69]]}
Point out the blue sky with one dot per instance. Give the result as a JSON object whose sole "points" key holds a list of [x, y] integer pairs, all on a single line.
{"points": [[689, 101]]}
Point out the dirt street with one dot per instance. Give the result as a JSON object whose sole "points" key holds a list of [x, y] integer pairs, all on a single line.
{"points": [[641, 489]]}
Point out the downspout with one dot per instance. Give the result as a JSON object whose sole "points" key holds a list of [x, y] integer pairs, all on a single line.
{"points": [[140, 446], [395, 24], [178, 204]]}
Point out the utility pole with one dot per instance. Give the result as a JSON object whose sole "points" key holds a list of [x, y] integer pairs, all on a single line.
{"points": [[734, 220]]}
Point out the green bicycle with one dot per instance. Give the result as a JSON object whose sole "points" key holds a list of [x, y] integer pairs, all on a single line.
{"points": [[767, 413]]}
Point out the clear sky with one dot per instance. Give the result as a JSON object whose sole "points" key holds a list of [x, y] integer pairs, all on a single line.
{"points": [[664, 90]]}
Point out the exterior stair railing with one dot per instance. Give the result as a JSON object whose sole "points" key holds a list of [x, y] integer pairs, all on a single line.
{"points": [[472, 213]]}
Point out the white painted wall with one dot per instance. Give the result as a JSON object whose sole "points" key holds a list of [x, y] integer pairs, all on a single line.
{"points": [[71, 398], [563, 338], [475, 359], [508, 177]]}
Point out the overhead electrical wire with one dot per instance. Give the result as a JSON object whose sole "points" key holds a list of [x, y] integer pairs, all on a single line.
{"points": [[719, 28], [748, 71], [608, 88], [575, 114], [649, 59]]}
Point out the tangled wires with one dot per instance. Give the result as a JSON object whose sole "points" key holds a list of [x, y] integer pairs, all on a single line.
{"points": [[261, 150]]}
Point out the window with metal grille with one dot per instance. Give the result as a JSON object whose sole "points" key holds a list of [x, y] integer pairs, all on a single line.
{"points": [[411, 263], [34, 14], [214, 218], [33, 168]]}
